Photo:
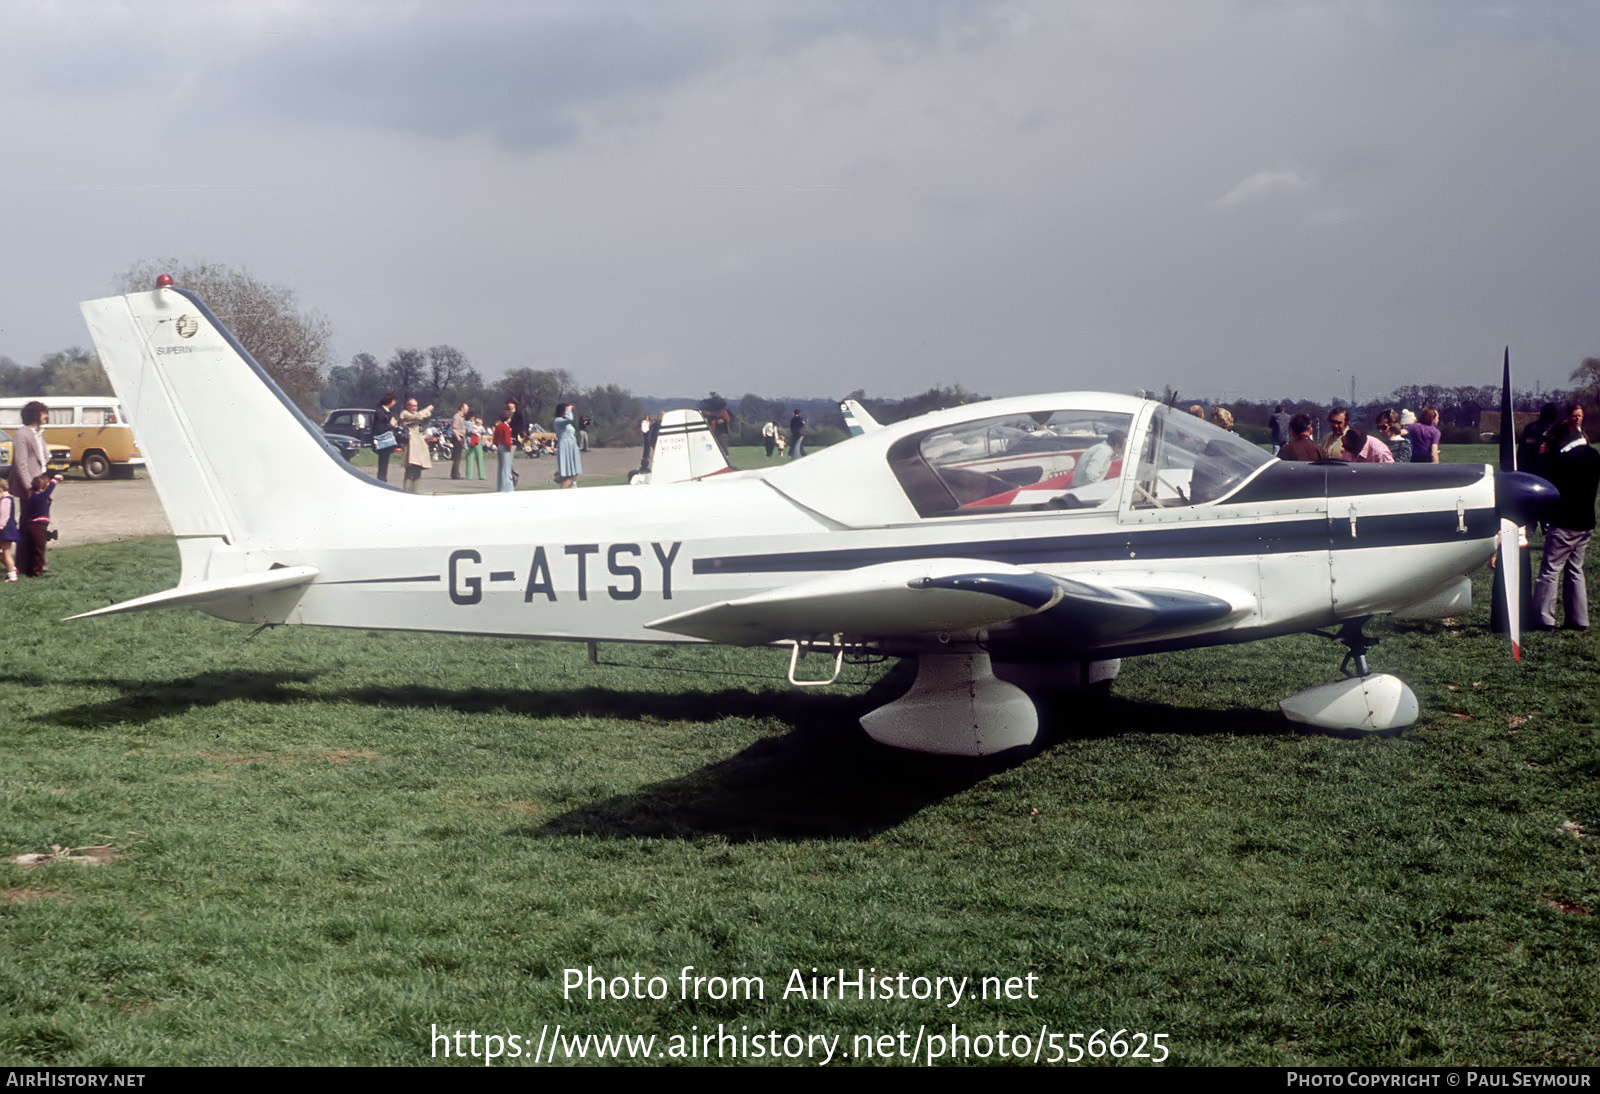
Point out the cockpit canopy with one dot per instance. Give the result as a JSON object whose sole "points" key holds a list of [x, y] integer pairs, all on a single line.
{"points": [[1010, 461], [1077, 451], [1069, 459]]}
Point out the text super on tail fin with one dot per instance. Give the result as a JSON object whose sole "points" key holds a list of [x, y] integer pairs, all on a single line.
{"points": [[230, 454]]}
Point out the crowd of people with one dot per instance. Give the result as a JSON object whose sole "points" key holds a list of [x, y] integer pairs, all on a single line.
{"points": [[1396, 437], [468, 437], [1554, 448]]}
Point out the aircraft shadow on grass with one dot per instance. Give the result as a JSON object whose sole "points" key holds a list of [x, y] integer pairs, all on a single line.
{"points": [[825, 778], [144, 701]]}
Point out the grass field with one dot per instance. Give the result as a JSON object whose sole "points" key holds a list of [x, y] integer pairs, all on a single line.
{"points": [[317, 847]]}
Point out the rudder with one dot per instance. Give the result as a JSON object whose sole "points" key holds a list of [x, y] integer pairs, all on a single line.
{"points": [[230, 454]]}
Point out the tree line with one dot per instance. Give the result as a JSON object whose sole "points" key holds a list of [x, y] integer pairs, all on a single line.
{"points": [[293, 346], [73, 371]]}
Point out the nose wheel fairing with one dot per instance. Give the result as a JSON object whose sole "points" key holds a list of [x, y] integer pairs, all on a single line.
{"points": [[1376, 703], [1367, 702]]}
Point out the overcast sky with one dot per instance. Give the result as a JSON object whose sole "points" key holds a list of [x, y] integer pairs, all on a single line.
{"points": [[807, 198]]}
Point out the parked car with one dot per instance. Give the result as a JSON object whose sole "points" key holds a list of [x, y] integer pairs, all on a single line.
{"points": [[349, 430], [60, 455], [355, 422], [346, 446]]}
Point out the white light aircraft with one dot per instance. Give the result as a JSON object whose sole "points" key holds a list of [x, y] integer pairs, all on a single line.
{"points": [[962, 538]]}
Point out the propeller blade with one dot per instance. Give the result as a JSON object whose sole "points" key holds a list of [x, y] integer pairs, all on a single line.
{"points": [[1508, 421], [1509, 587], [1521, 497]]}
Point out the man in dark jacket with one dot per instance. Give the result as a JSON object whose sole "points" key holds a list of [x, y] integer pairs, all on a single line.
{"points": [[1573, 467], [797, 435], [1302, 447]]}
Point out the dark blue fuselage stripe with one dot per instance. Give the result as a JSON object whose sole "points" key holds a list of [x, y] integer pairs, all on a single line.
{"points": [[1174, 541], [382, 580]]}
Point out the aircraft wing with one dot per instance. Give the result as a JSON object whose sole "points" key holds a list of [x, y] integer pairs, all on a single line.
{"points": [[953, 594]]}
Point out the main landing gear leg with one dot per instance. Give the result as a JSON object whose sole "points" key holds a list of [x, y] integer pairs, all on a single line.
{"points": [[957, 707], [1351, 635], [1365, 703]]}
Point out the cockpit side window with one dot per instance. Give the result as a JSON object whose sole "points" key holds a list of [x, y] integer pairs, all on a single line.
{"points": [[1069, 459], [1188, 461]]}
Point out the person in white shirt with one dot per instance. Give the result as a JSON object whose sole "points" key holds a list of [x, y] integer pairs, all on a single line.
{"points": [[1096, 462]]}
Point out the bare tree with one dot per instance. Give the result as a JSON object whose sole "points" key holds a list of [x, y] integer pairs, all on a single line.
{"points": [[447, 367], [1587, 377], [292, 345], [753, 408], [407, 373], [535, 390]]}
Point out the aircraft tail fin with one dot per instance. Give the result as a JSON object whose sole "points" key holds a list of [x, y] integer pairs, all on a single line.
{"points": [[685, 449], [856, 418], [232, 458]]}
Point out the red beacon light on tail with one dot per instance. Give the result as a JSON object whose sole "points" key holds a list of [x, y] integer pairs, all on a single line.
{"points": [[164, 281]]}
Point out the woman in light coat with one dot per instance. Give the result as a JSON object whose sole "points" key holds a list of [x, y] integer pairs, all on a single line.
{"points": [[568, 464], [415, 423]]}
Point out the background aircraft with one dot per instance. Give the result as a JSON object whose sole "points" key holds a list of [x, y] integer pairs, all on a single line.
{"points": [[856, 418], [920, 539], [682, 450]]}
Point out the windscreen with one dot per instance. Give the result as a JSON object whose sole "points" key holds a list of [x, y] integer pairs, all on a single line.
{"points": [[1188, 461]]}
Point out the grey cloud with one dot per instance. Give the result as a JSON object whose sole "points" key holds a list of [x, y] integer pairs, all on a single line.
{"points": [[518, 72], [521, 74], [1260, 186]]}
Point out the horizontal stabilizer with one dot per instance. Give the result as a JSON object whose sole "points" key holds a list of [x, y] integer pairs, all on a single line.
{"points": [[204, 592], [894, 598]]}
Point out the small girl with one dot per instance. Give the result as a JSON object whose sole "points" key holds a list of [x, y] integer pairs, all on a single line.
{"points": [[39, 519], [9, 536]]}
